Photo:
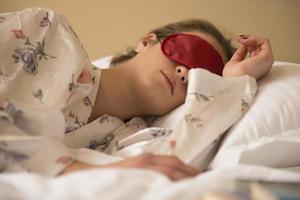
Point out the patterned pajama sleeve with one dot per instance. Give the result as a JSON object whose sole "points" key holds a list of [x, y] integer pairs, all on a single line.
{"points": [[41, 59], [28, 151]]}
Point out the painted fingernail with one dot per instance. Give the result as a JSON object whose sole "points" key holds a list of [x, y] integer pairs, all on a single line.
{"points": [[243, 36]]}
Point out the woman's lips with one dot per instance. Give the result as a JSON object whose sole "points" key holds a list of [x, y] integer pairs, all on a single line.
{"points": [[169, 80]]}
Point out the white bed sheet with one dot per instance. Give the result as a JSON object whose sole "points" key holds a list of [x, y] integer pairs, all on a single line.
{"points": [[133, 184]]}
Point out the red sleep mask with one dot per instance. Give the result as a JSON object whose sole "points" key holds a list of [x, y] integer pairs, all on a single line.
{"points": [[192, 51]]}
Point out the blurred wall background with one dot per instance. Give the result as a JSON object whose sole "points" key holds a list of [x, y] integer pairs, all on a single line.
{"points": [[108, 26]]}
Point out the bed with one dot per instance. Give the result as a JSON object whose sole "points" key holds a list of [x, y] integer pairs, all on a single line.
{"points": [[264, 145], [261, 146], [258, 141]]}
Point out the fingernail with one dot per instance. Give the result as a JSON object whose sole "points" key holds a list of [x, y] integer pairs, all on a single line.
{"points": [[243, 36]]}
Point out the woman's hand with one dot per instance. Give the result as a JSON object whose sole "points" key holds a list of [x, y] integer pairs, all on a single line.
{"points": [[257, 64], [171, 166]]}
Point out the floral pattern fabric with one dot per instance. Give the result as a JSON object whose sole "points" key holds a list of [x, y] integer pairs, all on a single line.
{"points": [[44, 74]]}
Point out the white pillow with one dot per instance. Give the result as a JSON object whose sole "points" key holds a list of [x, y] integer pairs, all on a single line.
{"points": [[257, 138], [103, 62]]}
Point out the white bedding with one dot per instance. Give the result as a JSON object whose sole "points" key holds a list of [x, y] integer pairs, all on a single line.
{"points": [[145, 184], [268, 134], [133, 184]]}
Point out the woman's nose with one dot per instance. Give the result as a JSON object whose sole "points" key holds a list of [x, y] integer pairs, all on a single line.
{"points": [[182, 73]]}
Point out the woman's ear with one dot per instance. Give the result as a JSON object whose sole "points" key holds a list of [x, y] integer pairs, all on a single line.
{"points": [[145, 42]]}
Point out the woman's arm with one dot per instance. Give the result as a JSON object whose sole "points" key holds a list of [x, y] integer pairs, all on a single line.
{"points": [[257, 64], [171, 166]]}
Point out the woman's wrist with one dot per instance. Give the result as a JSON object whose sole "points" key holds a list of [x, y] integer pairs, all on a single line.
{"points": [[77, 165]]}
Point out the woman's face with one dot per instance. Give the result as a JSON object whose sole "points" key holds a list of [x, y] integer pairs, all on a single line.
{"points": [[161, 84]]}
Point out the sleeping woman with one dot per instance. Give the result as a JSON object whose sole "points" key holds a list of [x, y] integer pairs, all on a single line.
{"points": [[54, 103]]}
